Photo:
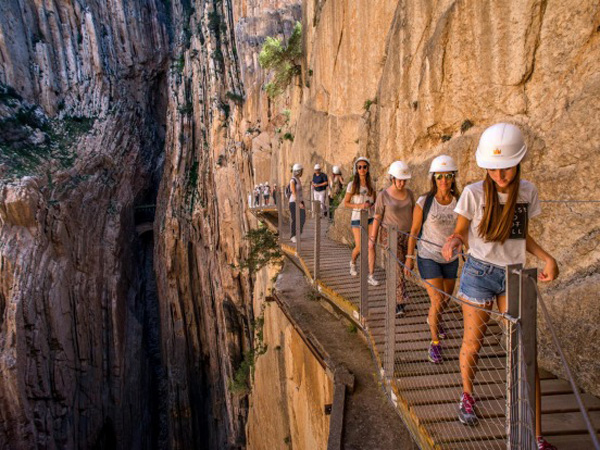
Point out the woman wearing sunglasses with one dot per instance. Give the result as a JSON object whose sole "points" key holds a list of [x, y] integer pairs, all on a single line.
{"points": [[360, 194], [433, 220], [493, 218], [394, 206]]}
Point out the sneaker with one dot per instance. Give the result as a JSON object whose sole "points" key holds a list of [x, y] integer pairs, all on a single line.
{"points": [[372, 281], [293, 239], [466, 410], [400, 309], [353, 271], [435, 353], [543, 444], [441, 330]]}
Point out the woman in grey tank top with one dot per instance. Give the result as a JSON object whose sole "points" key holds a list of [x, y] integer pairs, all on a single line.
{"points": [[433, 219]]}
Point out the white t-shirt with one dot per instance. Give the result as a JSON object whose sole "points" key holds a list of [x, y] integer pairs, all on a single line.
{"points": [[360, 198], [470, 205], [439, 224]]}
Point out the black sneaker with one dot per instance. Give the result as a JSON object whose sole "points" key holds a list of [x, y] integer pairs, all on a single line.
{"points": [[400, 309]]}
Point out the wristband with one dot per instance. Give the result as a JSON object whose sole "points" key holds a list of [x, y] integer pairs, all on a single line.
{"points": [[411, 257]]}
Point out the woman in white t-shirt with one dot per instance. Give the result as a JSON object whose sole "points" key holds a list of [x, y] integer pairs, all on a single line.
{"points": [[493, 218], [433, 220], [360, 194]]}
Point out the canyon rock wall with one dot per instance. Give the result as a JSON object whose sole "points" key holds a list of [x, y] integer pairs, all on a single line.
{"points": [[82, 115]]}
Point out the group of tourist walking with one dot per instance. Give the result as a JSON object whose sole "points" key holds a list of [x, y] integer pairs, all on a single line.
{"points": [[262, 195], [489, 222]]}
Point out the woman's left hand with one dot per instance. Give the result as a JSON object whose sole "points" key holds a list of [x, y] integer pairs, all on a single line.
{"points": [[550, 271]]}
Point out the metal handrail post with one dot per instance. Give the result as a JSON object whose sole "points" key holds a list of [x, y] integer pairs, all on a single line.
{"points": [[528, 355], [298, 227], [278, 200], [521, 348], [390, 301], [317, 241], [364, 264]]}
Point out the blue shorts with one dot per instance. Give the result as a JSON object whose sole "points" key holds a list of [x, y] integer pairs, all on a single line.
{"points": [[481, 283], [356, 223], [430, 269]]}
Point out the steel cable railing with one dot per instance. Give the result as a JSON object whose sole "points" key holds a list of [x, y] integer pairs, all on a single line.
{"points": [[431, 390], [550, 325]]}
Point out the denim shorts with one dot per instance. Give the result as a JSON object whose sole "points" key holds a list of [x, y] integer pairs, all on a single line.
{"points": [[430, 269], [481, 283], [356, 223]]}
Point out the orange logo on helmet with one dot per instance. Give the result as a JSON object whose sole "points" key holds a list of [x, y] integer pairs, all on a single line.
{"points": [[497, 152], [443, 164]]}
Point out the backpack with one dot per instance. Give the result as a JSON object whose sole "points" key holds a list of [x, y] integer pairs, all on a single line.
{"points": [[288, 189], [426, 208]]}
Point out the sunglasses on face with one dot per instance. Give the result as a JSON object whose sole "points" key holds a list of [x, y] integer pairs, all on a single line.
{"points": [[447, 176], [362, 167]]}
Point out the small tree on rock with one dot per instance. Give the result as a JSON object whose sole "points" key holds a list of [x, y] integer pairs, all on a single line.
{"points": [[284, 61]]}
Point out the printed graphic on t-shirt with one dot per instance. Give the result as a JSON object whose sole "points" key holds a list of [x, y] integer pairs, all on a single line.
{"points": [[519, 226]]}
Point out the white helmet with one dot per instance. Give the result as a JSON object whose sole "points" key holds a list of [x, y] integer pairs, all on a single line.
{"points": [[260, 184], [266, 183], [443, 163], [500, 146], [359, 159], [336, 170], [255, 186], [297, 167], [399, 170], [317, 167]]}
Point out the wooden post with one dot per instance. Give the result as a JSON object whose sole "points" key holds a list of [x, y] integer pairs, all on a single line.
{"points": [[364, 264], [528, 351], [317, 240], [390, 311]]}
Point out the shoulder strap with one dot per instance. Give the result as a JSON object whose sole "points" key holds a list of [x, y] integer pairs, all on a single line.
{"points": [[426, 208]]}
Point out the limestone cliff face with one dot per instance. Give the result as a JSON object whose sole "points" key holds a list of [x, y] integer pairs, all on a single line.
{"points": [[411, 80], [206, 306], [83, 119]]}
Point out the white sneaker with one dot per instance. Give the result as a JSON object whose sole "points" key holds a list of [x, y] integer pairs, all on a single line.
{"points": [[353, 271], [293, 239], [372, 281]]}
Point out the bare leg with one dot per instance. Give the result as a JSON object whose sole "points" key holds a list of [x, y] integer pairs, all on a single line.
{"points": [[437, 303], [356, 251], [372, 254], [475, 325]]}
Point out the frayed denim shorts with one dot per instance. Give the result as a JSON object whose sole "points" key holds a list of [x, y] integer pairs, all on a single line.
{"points": [[356, 223], [481, 283], [430, 269]]}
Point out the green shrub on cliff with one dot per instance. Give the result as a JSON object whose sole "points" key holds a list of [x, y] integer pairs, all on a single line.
{"points": [[284, 61], [264, 249]]}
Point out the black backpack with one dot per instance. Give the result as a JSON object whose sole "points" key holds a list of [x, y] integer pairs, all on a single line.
{"points": [[288, 189], [426, 208]]}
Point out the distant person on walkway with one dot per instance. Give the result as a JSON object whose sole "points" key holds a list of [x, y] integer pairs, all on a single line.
{"points": [[319, 184], [274, 193], [493, 221], [296, 195], [433, 220], [360, 194], [266, 193], [394, 206], [256, 196]]}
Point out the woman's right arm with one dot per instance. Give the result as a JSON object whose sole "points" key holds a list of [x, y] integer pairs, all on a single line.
{"points": [[347, 198], [459, 238]]}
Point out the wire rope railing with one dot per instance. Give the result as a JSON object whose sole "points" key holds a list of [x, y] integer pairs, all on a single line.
{"points": [[497, 364]]}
